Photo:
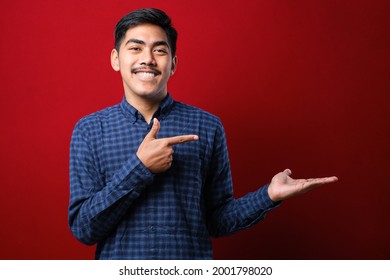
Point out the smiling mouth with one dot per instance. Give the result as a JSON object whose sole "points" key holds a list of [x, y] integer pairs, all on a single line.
{"points": [[146, 73]]}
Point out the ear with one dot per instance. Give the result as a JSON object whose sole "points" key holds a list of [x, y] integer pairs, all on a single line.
{"points": [[174, 65], [115, 60]]}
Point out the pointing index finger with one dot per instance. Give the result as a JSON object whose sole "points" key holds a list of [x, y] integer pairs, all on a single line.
{"points": [[181, 139]]}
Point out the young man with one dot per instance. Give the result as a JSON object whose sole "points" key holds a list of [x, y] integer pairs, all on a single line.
{"points": [[150, 177]]}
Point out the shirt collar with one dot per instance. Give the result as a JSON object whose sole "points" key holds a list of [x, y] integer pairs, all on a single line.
{"points": [[161, 113]]}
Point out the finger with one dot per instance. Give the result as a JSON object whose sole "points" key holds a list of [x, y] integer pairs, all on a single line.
{"points": [[170, 161], [181, 139], [327, 180], [154, 130], [288, 172], [320, 181]]}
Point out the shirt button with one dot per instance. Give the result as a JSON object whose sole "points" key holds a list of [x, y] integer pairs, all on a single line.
{"points": [[152, 229]]}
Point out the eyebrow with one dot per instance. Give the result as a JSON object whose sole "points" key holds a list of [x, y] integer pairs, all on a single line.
{"points": [[157, 43]]}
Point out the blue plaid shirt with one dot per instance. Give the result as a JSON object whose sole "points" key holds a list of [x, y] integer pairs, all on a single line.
{"points": [[116, 202]]}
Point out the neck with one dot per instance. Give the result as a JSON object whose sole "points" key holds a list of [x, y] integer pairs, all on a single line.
{"points": [[146, 106]]}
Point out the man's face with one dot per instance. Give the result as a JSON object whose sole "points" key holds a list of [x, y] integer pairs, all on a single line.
{"points": [[145, 62]]}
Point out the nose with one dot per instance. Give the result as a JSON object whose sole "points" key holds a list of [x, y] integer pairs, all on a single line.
{"points": [[147, 58]]}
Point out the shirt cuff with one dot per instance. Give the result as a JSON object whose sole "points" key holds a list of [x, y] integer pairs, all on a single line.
{"points": [[134, 175], [264, 196]]}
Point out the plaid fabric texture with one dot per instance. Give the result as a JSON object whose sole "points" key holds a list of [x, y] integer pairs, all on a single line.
{"points": [[132, 214]]}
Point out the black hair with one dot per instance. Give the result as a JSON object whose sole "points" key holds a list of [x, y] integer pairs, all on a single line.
{"points": [[142, 16]]}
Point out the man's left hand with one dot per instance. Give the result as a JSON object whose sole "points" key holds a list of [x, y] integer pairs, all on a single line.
{"points": [[283, 186]]}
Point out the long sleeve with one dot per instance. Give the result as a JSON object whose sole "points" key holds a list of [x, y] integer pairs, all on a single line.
{"points": [[116, 202], [226, 214], [96, 206]]}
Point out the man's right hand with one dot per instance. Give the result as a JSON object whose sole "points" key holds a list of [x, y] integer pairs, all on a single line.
{"points": [[157, 154]]}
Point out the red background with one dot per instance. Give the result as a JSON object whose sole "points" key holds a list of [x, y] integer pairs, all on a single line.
{"points": [[298, 84]]}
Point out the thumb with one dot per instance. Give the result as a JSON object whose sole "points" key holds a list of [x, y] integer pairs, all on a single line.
{"points": [[154, 130], [288, 172]]}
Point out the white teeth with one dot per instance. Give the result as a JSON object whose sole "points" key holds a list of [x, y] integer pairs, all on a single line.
{"points": [[145, 75]]}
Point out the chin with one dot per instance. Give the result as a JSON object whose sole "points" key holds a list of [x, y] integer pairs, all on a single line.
{"points": [[152, 95]]}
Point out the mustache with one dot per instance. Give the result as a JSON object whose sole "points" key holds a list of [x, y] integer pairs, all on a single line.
{"points": [[146, 69]]}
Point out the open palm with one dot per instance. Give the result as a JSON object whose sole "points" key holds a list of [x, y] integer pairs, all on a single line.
{"points": [[283, 186]]}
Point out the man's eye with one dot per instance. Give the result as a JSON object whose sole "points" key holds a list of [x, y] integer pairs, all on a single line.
{"points": [[135, 49], [161, 51]]}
